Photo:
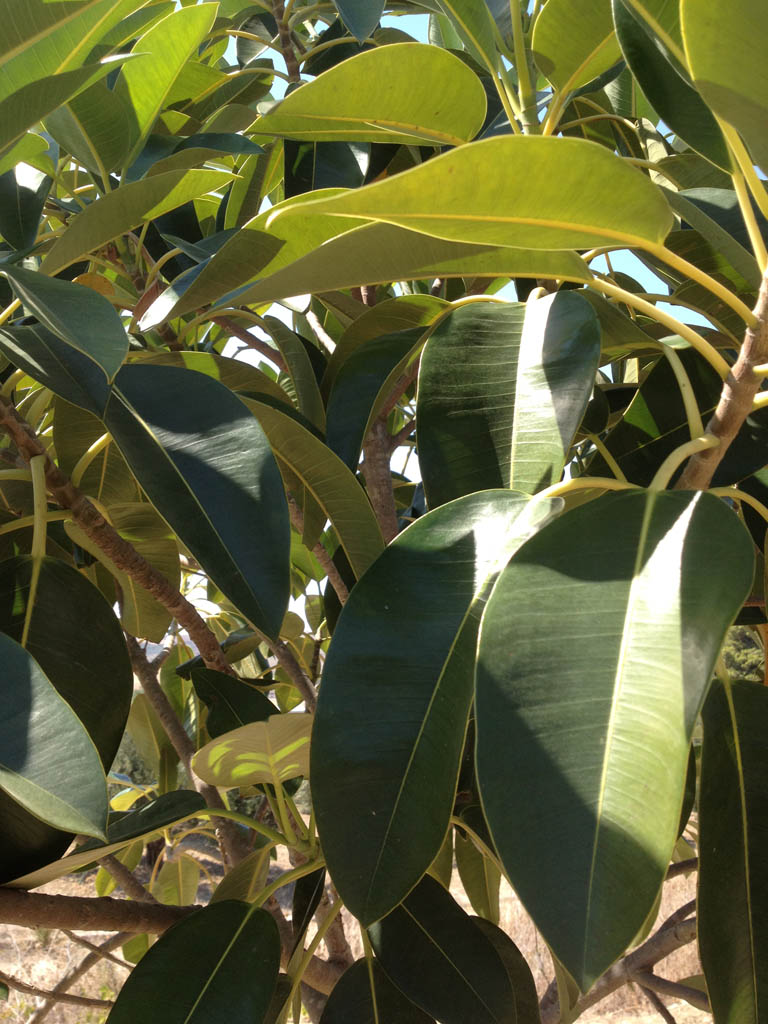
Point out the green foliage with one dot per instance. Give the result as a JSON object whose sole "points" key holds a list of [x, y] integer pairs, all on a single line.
{"points": [[312, 392]]}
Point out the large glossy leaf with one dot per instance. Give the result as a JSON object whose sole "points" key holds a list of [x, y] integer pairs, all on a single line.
{"points": [[22, 198], [47, 359], [207, 467], [123, 829], [733, 831], [520, 976], [76, 640], [231, 702], [353, 995], [576, 195], [377, 253], [330, 483], [49, 763], [360, 16], [218, 966], [502, 390], [474, 25], [397, 686], [649, 51], [125, 208], [726, 48], [396, 94], [574, 42], [144, 83], [94, 127], [442, 961], [271, 751], [80, 316], [582, 745]]}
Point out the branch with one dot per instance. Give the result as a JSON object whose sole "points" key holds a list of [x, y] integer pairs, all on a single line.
{"points": [[682, 867], [101, 952], [325, 560], [736, 398], [286, 43], [378, 478], [232, 844], [118, 550], [262, 347], [657, 1004], [638, 962], [86, 913], [299, 678], [126, 879], [674, 989], [60, 997]]}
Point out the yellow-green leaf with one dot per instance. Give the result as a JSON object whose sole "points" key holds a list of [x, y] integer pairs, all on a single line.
{"points": [[273, 751]]}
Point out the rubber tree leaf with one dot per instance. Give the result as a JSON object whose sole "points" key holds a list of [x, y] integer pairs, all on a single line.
{"points": [[176, 882], [248, 878], [76, 640], [725, 51], [502, 391], [152, 743], [332, 485], [442, 961], [44, 39], [27, 106], [360, 16], [272, 751], [301, 371], [520, 976], [476, 28], [574, 42], [403, 93], [397, 686], [588, 738], [650, 52], [577, 195], [217, 966], [21, 205], [480, 877], [352, 999], [364, 380], [79, 316], [144, 83], [733, 823], [94, 127], [49, 763], [126, 207], [231, 702], [208, 469], [379, 253], [123, 829]]}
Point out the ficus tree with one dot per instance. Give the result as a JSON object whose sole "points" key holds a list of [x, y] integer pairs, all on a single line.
{"points": [[300, 310]]}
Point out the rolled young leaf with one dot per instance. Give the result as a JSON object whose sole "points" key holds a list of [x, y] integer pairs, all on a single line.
{"points": [[582, 743], [397, 686]]}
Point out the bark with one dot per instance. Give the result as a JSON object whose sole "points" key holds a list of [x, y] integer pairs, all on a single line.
{"points": [[378, 478], [86, 913]]}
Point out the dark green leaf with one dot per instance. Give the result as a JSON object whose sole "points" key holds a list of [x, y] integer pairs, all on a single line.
{"points": [[397, 686], [520, 977], [733, 833], [502, 390], [479, 876], [307, 894], [360, 16], [351, 999], [582, 745], [207, 467], [21, 207], [218, 966], [231, 702], [442, 961]]}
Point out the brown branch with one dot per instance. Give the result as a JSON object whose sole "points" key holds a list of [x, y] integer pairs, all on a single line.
{"points": [[683, 867], [320, 974], [322, 335], [673, 989], [108, 540], [325, 560], [126, 879], [233, 846], [86, 913], [257, 344], [665, 941], [736, 400], [287, 660], [402, 435], [60, 997], [286, 43], [101, 952], [378, 478], [97, 954], [657, 1004]]}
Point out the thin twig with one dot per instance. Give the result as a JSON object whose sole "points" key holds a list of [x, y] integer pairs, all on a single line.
{"points": [[95, 956], [674, 989], [233, 845], [102, 951], [257, 344], [299, 678], [325, 560], [402, 435], [59, 997], [126, 879], [657, 1004], [681, 914], [683, 867], [108, 540]]}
